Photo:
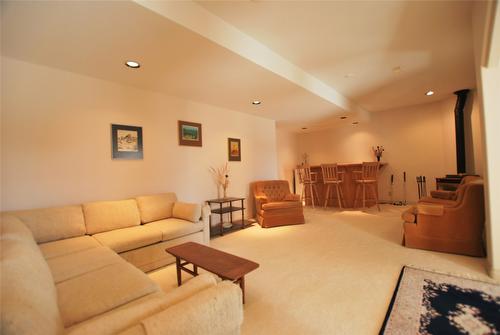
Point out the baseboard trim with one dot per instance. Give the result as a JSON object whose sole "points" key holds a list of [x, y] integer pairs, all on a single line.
{"points": [[493, 273]]}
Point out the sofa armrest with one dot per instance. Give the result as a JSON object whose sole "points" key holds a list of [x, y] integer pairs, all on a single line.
{"points": [[205, 218], [217, 310], [441, 194]]}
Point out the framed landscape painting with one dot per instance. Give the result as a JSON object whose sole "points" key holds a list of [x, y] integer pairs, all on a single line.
{"points": [[126, 142], [190, 134], [234, 149]]}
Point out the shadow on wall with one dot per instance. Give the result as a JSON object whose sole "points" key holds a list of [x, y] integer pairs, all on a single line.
{"points": [[251, 202]]}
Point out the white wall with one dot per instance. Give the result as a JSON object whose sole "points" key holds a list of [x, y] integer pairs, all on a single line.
{"points": [[287, 148], [56, 138], [419, 140], [486, 26]]}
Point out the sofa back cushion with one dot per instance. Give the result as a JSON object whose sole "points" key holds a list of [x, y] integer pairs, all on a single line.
{"points": [[186, 211], [101, 216], [28, 294], [274, 190], [50, 224], [156, 207]]}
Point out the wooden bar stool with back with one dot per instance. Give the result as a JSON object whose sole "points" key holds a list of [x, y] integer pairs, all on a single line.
{"points": [[332, 176], [368, 179], [308, 180]]}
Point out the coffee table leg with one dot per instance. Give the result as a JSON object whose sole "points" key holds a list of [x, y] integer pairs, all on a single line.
{"points": [[195, 269], [178, 267], [242, 286]]}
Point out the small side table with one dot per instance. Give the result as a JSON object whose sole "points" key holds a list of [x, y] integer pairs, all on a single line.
{"points": [[221, 210]]}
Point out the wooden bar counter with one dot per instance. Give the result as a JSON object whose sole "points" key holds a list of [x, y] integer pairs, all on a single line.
{"points": [[348, 186]]}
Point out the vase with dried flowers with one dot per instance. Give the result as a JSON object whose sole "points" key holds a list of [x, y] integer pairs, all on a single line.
{"points": [[221, 178], [378, 152]]}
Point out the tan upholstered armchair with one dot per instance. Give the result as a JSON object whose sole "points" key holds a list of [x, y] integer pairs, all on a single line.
{"points": [[438, 195], [275, 205], [454, 226]]}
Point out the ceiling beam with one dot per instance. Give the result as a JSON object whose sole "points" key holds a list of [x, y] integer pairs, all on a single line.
{"points": [[199, 20]]}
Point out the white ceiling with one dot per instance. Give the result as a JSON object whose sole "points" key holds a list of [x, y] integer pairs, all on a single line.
{"points": [[430, 41]]}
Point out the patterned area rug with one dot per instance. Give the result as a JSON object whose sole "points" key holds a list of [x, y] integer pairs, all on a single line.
{"points": [[426, 302]]}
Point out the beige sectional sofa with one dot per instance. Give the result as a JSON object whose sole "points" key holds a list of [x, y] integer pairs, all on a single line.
{"points": [[77, 270]]}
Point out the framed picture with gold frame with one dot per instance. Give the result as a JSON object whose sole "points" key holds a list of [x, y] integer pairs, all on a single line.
{"points": [[190, 133], [234, 149]]}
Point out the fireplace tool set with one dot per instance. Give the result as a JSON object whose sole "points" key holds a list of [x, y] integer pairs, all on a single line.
{"points": [[398, 203]]}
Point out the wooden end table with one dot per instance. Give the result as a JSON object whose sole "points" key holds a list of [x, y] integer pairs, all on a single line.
{"points": [[224, 265], [221, 210]]}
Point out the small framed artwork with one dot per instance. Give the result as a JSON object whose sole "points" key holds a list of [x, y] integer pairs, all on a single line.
{"points": [[126, 142], [190, 134], [234, 149]]}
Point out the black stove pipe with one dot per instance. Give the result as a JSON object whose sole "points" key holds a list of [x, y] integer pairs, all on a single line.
{"points": [[460, 130]]}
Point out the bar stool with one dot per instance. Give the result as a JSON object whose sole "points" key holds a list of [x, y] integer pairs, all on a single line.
{"points": [[368, 173], [308, 180], [332, 176]]}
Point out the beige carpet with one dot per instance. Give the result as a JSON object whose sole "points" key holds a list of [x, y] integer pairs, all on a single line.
{"points": [[333, 275]]}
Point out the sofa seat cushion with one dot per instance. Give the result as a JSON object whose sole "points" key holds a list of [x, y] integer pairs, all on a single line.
{"points": [[123, 317], [68, 246], [96, 292], [78, 263], [156, 207], [101, 216], [126, 239], [50, 224], [281, 205], [174, 228]]}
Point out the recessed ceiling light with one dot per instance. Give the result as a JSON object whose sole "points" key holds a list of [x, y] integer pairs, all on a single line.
{"points": [[355, 122], [304, 128], [343, 117], [429, 93], [396, 69], [133, 64], [349, 75], [256, 102]]}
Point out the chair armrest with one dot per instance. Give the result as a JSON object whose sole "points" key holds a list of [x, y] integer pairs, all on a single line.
{"points": [[441, 194], [260, 200], [430, 209], [292, 197], [217, 310], [410, 215]]}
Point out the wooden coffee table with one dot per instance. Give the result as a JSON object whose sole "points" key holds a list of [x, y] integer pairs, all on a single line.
{"points": [[224, 265]]}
